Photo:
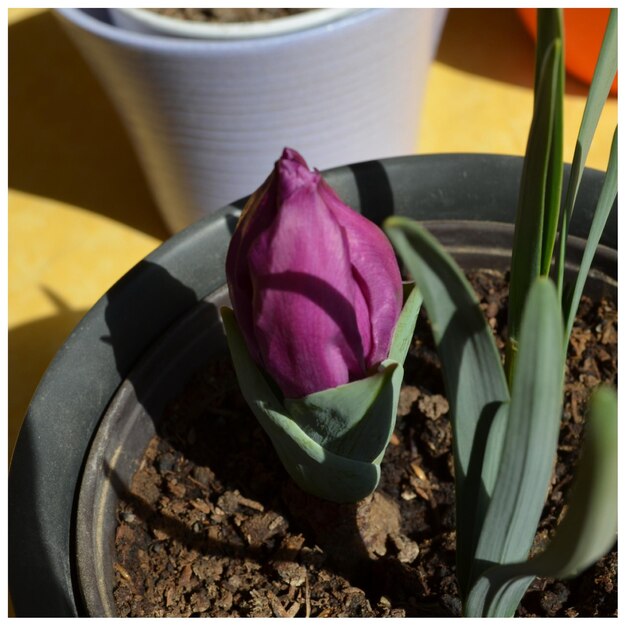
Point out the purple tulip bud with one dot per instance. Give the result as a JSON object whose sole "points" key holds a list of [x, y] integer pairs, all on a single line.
{"points": [[315, 286]]}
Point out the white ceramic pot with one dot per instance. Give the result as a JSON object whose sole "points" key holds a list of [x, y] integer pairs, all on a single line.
{"points": [[208, 117]]}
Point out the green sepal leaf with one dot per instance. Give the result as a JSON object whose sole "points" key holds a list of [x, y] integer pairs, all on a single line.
{"points": [[531, 435], [315, 467], [353, 420], [473, 374], [403, 333], [586, 533]]}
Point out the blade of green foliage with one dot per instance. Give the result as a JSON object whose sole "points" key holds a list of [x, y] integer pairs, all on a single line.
{"points": [[473, 375], [493, 439], [498, 592], [403, 333], [353, 420], [598, 92], [589, 528], [531, 435], [601, 215], [526, 260], [314, 468], [549, 29], [586, 533]]}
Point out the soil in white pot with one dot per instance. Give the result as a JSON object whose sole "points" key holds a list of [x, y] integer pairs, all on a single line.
{"points": [[227, 15]]}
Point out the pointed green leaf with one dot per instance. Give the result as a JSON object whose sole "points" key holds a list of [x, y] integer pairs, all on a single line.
{"points": [[353, 420], [486, 457], [253, 384], [589, 528], [601, 215], [550, 28], [475, 382], [586, 533], [526, 260], [314, 468], [603, 76], [531, 437], [403, 333]]}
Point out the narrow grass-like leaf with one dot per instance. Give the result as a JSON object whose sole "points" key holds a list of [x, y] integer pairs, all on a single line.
{"points": [[598, 92], [601, 215], [403, 333], [549, 29], [589, 528], [313, 467], [493, 439], [531, 435], [473, 375], [526, 259], [586, 533]]}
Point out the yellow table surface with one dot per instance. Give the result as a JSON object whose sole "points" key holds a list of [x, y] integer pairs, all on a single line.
{"points": [[80, 213]]}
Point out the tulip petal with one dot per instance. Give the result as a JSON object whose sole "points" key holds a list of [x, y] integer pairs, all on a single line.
{"points": [[256, 216], [315, 286], [375, 271], [305, 322]]}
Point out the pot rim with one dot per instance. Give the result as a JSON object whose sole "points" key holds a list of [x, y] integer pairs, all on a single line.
{"points": [[89, 20], [158, 24], [56, 434]]}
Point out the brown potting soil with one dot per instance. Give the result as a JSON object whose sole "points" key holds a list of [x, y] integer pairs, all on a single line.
{"points": [[214, 526], [227, 15]]}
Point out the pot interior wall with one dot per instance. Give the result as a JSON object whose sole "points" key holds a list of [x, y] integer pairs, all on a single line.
{"points": [[124, 433], [161, 374]]}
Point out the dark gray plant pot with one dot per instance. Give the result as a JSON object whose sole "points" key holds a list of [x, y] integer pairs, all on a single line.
{"points": [[70, 463]]}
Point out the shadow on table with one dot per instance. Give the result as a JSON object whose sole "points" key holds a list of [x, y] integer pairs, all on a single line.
{"points": [[493, 43], [66, 141]]}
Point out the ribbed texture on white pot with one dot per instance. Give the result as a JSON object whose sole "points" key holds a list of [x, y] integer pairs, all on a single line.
{"points": [[209, 118]]}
